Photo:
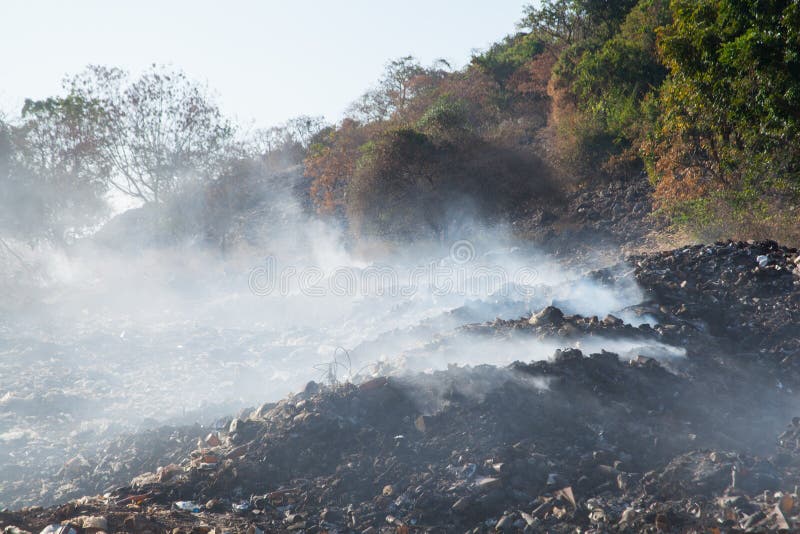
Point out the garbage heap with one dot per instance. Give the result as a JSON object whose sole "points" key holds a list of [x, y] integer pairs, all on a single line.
{"points": [[579, 442]]}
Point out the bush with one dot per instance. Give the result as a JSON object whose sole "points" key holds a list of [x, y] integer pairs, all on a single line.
{"points": [[406, 185], [604, 88], [728, 124], [447, 120], [735, 215], [505, 57]]}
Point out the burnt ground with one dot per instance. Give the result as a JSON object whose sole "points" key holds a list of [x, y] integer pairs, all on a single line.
{"points": [[579, 442], [597, 217]]}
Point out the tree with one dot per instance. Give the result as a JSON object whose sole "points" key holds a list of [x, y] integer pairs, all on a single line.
{"points": [[609, 81], [567, 22], [409, 183], [502, 59], [53, 183], [331, 162], [557, 21], [60, 137], [6, 149], [403, 80], [287, 144], [304, 129], [730, 119], [156, 131]]}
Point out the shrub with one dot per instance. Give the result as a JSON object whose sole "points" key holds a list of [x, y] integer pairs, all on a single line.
{"points": [[505, 57], [406, 185]]}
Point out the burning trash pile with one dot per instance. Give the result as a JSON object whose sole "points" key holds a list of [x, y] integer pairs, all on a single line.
{"points": [[586, 440], [743, 294]]}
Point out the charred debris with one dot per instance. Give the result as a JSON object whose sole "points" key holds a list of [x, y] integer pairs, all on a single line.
{"points": [[708, 441]]}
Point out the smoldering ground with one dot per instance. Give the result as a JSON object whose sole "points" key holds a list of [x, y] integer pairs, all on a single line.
{"points": [[111, 340]]}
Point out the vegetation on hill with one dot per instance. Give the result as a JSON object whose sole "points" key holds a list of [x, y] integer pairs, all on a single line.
{"points": [[703, 96], [700, 97]]}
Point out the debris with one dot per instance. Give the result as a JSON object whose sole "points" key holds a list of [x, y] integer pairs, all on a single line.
{"points": [[59, 529], [241, 507], [91, 523], [488, 483], [186, 506], [567, 494], [212, 440], [548, 316], [634, 440]]}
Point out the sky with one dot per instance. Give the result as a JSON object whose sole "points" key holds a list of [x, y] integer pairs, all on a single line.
{"points": [[266, 61]]}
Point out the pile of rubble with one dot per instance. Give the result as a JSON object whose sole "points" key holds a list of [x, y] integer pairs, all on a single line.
{"points": [[618, 208], [596, 216], [588, 442], [745, 294], [579, 441]]}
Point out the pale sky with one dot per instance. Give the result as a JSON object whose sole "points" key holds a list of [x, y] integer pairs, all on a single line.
{"points": [[267, 61]]}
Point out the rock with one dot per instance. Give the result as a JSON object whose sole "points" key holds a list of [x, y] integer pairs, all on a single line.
{"points": [[331, 515], [563, 355], [77, 466], [505, 446], [694, 473], [486, 484], [212, 440], [422, 422], [548, 316], [91, 523], [311, 389], [263, 410], [505, 524], [214, 505], [234, 426], [140, 523], [167, 472], [461, 504], [627, 518]]}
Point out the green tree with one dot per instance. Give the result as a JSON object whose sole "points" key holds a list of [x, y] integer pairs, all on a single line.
{"points": [[610, 80], [567, 22], [731, 106], [54, 182], [502, 59], [604, 84]]}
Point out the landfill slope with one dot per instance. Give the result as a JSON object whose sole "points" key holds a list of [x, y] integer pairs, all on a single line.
{"points": [[596, 441]]}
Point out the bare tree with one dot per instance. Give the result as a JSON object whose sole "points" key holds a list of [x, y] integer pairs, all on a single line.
{"points": [[402, 80], [156, 132]]}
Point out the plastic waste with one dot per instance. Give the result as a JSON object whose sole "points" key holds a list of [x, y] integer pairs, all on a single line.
{"points": [[59, 529], [241, 507], [187, 506]]}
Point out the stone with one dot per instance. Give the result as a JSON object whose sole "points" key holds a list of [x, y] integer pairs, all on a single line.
{"points": [[548, 316]]}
